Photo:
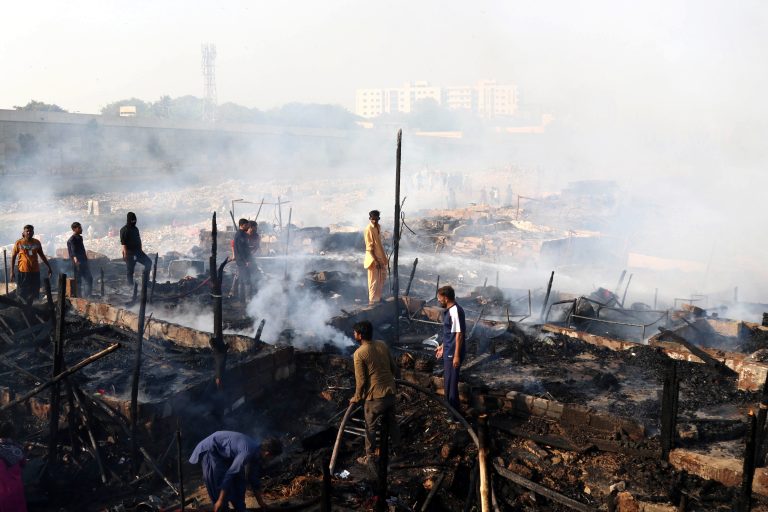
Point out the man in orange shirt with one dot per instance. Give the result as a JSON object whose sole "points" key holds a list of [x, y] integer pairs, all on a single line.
{"points": [[375, 258], [27, 250]]}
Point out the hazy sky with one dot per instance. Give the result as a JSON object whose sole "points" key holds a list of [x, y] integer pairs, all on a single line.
{"points": [[628, 57]]}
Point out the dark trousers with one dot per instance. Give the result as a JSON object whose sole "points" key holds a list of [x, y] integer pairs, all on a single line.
{"points": [[244, 280], [28, 284], [451, 382], [214, 469], [133, 257], [373, 410], [84, 279]]}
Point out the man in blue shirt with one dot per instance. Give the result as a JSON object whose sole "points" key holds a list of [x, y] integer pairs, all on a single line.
{"points": [[79, 259], [453, 349], [230, 461]]}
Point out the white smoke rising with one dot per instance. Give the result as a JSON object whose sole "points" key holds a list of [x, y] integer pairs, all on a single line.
{"points": [[285, 304]]}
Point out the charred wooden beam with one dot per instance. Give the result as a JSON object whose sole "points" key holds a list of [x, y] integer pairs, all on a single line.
{"points": [[624, 297], [5, 269], [410, 279], [154, 278], [85, 362], [101, 271], [396, 244], [748, 468], [325, 503], [137, 373], [693, 349], [546, 297], [86, 417], [58, 363], [542, 491], [670, 395], [432, 492], [257, 337], [179, 467]]}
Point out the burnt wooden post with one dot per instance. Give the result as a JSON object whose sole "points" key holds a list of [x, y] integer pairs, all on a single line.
{"points": [[669, 398], [5, 269], [546, 297], [760, 448], [621, 280], [217, 341], [325, 503], [49, 298], [410, 279], [154, 278], [655, 297], [179, 467], [624, 297], [482, 462], [437, 285], [135, 290], [396, 245], [748, 471], [58, 363], [101, 271], [136, 375], [381, 482]]}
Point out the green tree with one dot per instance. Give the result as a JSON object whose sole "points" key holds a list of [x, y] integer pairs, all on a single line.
{"points": [[39, 106]]}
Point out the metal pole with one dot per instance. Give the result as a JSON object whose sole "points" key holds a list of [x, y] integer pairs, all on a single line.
{"points": [[136, 375], [396, 246], [621, 280], [624, 297]]}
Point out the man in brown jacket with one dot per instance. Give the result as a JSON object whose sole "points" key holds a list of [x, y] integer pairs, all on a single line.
{"points": [[375, 372]]}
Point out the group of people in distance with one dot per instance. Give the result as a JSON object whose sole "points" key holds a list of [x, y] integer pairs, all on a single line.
{"points": [[28, 252]]}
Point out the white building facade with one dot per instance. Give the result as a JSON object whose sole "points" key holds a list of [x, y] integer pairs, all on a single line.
{"points": [[485, 99]]}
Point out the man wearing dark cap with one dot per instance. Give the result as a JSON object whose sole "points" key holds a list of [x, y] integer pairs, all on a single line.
{"points": [[132, 253], [375, 258]]}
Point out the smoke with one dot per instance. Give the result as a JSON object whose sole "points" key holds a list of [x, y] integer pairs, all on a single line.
{"points": [[287, 305]]}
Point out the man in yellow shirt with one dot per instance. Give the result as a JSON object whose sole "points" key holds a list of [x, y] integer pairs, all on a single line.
{"points": [[375, 258], [375, 372], [27, 250]]}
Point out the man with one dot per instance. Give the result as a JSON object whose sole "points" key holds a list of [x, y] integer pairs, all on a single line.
{"points": [[132, 253], [375, 258], [230, 461], [241, 250], [375, 372], [12, 461], [28, 250], [453, 348], [79, 258]]}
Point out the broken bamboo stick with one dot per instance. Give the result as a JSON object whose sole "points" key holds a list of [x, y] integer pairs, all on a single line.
{"points": [[137, 373], [154, 278], [410, 279], [87, 424], [435, 487], [85, 362], [541, 490], [5, 269], [546, 297], [179, 467]]}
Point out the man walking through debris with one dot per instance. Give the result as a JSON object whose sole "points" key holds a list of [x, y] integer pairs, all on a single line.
{"points": [[375, 258], [230, 461], [130, 239], [453, 348], [79, 258], [242, 254], [375, 372], [28, 250]]}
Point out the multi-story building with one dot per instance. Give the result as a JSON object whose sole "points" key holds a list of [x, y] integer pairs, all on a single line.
{"points": [[486, 99]]}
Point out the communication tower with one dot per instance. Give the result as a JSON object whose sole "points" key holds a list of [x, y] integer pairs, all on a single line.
{"points": [[209, 81]]}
